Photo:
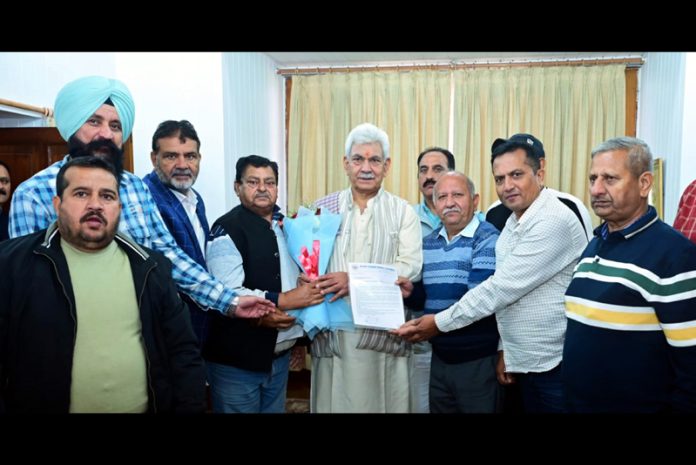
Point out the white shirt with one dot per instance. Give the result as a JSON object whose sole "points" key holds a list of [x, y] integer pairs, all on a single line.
{"points": [[190, 201], [468, 230], [535, 257]]}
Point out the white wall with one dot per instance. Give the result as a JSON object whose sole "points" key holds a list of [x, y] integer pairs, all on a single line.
{"points": [[254, 115], [660, 118], [687, 169], [35, 78], [164, 86], [179, 86]]}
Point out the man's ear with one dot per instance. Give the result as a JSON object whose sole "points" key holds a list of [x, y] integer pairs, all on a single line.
{"points": [[153, 158], [645, 182], [540, 174], [56, 204]]}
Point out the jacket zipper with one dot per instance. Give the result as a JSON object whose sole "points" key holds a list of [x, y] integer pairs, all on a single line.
{"points": [[147, 357], [67, 297], [74, 318]]}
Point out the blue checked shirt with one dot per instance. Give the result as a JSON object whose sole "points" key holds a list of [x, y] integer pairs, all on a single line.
{"points": [[32, 210]]}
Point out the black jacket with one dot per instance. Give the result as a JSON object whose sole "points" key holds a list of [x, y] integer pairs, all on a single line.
{"points": [[38, 326], [239, 342]]}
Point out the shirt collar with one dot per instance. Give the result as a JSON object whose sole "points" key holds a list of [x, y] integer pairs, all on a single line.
{"points": [[430, 216], [649, 217], [531, 211], [189, 197], [369, 202], [468, 230]]}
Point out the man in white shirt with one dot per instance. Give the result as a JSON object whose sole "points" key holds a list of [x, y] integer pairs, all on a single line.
{"points": [[176, 161], [367, 370], [535, 255]]}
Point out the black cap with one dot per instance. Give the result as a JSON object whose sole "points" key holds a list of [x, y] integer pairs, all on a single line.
{"points": [[521, 141]]}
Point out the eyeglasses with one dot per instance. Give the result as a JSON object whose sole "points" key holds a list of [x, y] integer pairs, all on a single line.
{"points": [[374, 162], [254, 183]]}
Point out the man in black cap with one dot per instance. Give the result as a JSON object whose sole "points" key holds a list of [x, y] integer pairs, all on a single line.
{"points": [[535, 256], [498, 213]]}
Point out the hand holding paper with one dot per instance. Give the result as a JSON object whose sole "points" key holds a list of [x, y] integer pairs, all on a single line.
{"points": [[420, 329]]}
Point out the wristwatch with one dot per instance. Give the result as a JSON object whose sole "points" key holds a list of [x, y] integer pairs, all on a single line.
{"points": [[233, 307]]}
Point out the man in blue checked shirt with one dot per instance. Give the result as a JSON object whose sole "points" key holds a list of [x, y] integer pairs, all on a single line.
{"points": [[98, 108]]}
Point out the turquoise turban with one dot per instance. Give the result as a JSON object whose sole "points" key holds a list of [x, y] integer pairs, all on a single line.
{"points": [[79, 99]]}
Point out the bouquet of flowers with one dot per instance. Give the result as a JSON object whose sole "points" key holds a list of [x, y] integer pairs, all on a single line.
{"points": [[310, 236]]}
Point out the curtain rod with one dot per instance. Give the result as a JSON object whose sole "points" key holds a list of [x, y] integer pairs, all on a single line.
{"points": [[630, 62], [46, 112]]}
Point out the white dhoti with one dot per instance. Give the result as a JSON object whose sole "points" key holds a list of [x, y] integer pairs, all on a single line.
{"points": [[360, 381]]}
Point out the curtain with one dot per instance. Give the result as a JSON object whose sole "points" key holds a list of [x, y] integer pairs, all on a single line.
{"points": [[570, 109], [412, 107]]}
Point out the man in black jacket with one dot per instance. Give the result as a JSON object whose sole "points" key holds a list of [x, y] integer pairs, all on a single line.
{"points": [[89, 320]]}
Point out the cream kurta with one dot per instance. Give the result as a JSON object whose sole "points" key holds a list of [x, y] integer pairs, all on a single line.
{"points": [[361, 381]]}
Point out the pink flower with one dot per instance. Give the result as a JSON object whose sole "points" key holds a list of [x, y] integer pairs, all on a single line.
{"points": [[310, 262]]}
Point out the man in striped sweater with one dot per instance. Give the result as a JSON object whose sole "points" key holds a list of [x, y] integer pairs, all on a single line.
{"points": [[631, 338], [458, 256]]}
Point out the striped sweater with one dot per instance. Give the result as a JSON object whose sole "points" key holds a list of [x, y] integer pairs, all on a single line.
{"points": [[449, 271], [631, 306]]}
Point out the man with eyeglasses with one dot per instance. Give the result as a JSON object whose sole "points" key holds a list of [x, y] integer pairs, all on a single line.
{"points": [[176, 160], [248, 363], [367, 370]]}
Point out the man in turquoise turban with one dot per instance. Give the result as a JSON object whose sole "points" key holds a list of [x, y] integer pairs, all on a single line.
{"points": [[80, 99], [98, 113]]}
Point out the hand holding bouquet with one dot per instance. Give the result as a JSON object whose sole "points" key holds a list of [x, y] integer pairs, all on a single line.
{"points": [[316, 232]]}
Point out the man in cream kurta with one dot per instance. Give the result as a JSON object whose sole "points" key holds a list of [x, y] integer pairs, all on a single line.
{"points": [[365, 370]]}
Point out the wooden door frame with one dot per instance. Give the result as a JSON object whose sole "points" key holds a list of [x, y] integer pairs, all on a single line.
{"points": [[52, 137], [631, 101]]}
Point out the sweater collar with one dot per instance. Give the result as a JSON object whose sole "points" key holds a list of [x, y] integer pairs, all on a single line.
{"points": [[641, 224]]}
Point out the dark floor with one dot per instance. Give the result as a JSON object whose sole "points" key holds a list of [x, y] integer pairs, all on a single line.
{"points": [[298, 391]]}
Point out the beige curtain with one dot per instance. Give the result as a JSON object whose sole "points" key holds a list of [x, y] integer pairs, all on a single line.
{"points": [[412, 107], [570, 109]]}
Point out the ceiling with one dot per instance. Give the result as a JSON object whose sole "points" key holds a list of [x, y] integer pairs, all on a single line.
{"points": [[314, 59]]}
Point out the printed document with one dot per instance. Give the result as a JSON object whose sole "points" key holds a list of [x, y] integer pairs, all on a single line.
{"points": [[374, 296]]}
